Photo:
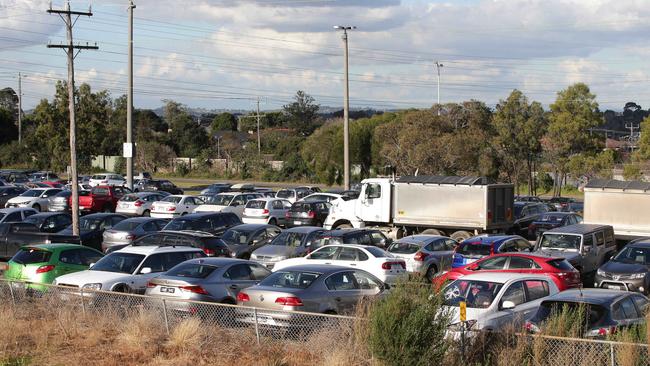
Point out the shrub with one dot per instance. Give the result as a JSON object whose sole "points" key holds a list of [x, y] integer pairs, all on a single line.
{"points": [[182, 169], [408, 326]]}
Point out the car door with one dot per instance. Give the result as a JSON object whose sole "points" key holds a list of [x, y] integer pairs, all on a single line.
{"points": [[239, 276], [625, 313], [522, 265], [50, 226], [70, 261], [589, 253], [343, 289], [601, 249], [503, 317]]}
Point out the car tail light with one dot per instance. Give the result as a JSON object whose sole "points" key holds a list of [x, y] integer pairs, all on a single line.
{"points": [[173, 208], [289, 301], [311, 214], [45, 269], [419, 256], [243, 297], [194, 289], [288, 214], [209, 252], [151, 284], [130, 237], [389, 265], [138, 203], [265, 212]]}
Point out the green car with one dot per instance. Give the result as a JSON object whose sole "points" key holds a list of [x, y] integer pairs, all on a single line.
{"points": [[41, 264]]}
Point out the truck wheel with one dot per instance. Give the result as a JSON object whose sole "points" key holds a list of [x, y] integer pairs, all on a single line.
{"points": [[461, 235], [343, 226], [431, 232]]}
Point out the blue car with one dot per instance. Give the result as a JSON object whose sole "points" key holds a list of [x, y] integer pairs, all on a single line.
{"points": [[477, 247]]}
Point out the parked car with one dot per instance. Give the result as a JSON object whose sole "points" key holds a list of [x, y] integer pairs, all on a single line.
{"points": [[322, 289], [605, 311], [327, 197], [425, 255], [244, 239], [138, 204], [560, 202], [307, 213], [355, 236], [551, 220], [101, 198], [216, 188], [129, 269], [15, 214], [60, 202], [42, 264], [525, 214], [265, 192], [210, 244], [215, 223], [270, 211], [234, 202], [206, 279], [50, 222], [150, 185], [475, 248], [293, 194], [495, 301], [91, 228], [377, 261], [629, 270], [585, 246], [312, 189], [106, 179], [15, 235], [528, 199], [126, 231], [577, 207], [558, 269], [9, 192], [42, 176], [174, 206], [36, 198], [290, 243]]}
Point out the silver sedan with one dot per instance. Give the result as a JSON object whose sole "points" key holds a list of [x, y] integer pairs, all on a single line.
{"points": [[425, 255]]}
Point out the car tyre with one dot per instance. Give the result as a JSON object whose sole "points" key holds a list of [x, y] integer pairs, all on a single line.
{"points": [[146, 213], [273, 221], [461, 235], [37, 207], [106, 209], [432, 271]]}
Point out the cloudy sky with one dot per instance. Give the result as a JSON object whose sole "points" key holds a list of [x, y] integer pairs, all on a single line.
{"points": [[226, 53]]}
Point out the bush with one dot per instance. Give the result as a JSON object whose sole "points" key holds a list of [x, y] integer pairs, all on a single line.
{"points": [[182, 169], [120, 165], [408, 326]]}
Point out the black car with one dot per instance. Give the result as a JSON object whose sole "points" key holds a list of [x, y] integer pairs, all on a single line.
{"points": [[91, 228], [50, 222], [628, 270], [210, 244], [9, 192], [605, 311], [246, 238], [216, 188], [551, 220], [214, 223], [527, 199], [560, 202], [150, 185], [525, 214], [354, 236], [308, 213]]}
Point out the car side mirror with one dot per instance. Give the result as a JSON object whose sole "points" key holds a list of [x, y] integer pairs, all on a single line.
{"points": [[586, 250], [506, 305], [91, 265], [145, 270]]}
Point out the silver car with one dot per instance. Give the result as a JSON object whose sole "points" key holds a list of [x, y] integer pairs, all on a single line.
{"points": [[138, 204], [425, 255], [323, 289], [206, 279], [126, 231], [295, 242], [270, 211]]}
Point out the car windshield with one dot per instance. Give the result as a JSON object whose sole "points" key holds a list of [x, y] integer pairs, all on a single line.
{"points": [[476, 294], [379, 253], [172, 199], [560, 241], [256, 204], [219, 200], [130, 198], [192, 270], [593, 315], [287, 239], [473, 249], [403, 248], [32, 193], [127, 225], [301, 207], [551, 217], [236, 236], [631, 255], [31, 255], [185, 224], [89, 223], [35, 219], [118, 262], [290, 279], [285, 193]]}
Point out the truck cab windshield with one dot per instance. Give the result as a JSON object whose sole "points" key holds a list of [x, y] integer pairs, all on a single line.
{"points": [[560, 241]]}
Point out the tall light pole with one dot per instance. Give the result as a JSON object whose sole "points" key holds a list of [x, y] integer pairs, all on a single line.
{"points": [[438, 67], [129, 105], [346, 107], [20, 108]]}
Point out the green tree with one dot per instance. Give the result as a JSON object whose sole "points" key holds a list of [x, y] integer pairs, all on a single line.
{"points": [[8, 129], [224, 122], [187, 137], [632, 171], [302, 113], [643, 153]]}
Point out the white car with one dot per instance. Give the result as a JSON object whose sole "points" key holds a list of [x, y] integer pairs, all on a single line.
{"points": [[293, 194], [377, 261], [138, 204], [328, 197], [107, 179], [228, 202], [496, 300], [129, 269], [37, 198], [270, 211], [174, 206]]}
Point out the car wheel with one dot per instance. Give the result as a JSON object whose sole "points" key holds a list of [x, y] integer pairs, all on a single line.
{"points": [[273, 221], [461, 235], [106, 209], [37, 207], [146, 213], [184, 213], [431, 272], [343, 226]]}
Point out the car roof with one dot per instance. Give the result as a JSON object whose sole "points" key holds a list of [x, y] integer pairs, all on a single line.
{"points": [[594, 296], [217, 261], [14, 209], [250, 226], [323, 269], [195, 233], [489, 239], [346, 231], [201, 215], [639, 243], [358, 246], [502, 277], [56, 246], [577, 229], [420, 238], [149, 249], [311, 202], [47, 214], [539, 255], [303, 229], [101, 215], [140, 219]]}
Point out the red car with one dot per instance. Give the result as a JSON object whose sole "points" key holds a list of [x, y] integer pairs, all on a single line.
{"points": [[562, 273], [100, 199]]}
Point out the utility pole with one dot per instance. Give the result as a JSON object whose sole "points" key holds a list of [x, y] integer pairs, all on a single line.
{"points": [[69, 49], [129, 106], [20, 108], [346, 107], [259, 140], [438, 67]]}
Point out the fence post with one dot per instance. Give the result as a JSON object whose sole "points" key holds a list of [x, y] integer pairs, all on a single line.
{"points": [[83, 303], [257, 328], [165, 315], [611, 352]]}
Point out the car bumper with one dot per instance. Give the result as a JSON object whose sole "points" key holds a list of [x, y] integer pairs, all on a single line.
{"points": [[636, 285], [294, 222], [164, 215], [254, 220], [59, 208], [130, 211]]}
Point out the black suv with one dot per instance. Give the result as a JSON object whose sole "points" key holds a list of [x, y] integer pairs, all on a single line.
{"points": [[525, 214], [354, 236], [149, 185], [210, 222], [307, 213], [210, 244]]}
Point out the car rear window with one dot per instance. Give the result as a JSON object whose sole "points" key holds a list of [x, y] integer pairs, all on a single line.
{"points": [[562, 264], [100, 191], [256, 204], [127, 225], [192, 270], [378, 252], [290, 279], [285, 194], [473, 249], [130, 198], [404, 248], [31, 255], [551, 217], [99, 177], [301, 206], [593, 315], [184, 224]]}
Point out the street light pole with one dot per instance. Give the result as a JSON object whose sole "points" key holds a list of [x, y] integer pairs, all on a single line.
{"points": [[129, 104], [346, 107], [438, 66]]}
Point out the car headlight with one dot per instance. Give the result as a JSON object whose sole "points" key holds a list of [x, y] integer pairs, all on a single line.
{"points": [[637, 276], [92, 286], [600, 272]]}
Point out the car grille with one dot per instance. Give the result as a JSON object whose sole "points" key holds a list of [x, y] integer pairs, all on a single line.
{"points": [[617, 277], [264, 258]]}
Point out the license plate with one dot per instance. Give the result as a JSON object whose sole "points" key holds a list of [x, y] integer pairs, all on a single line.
{"points": [[614, 287], [262, 319], [297, 222], [167, 290]]}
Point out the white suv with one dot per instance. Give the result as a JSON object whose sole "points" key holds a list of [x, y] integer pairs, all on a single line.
{"points": [[106, 179], [129, 269], [37, 198]]}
